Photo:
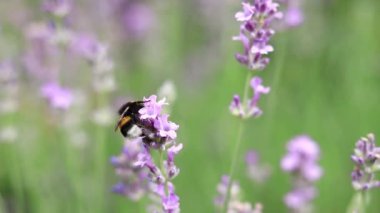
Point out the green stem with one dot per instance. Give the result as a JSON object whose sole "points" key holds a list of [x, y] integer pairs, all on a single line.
{"points": [[162, 166], [278, 68], [237, 145], [359, 202]]}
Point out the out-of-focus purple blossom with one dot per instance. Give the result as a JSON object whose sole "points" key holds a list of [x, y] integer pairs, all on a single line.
{"points": [[258, 89], [301, 162], [58, 97], [40, 50], [236, 107], [41, 31], [366, 158], [302, 157], [293, 17], [133, 177], [137, 19], [170, 202], [234, 205], [255, 32], [249, 109], [59, 8], [293, 14], [85, 46], [297, 198], [255, 170]]}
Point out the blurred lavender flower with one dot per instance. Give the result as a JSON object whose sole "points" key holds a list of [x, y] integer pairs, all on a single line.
{"points": [[293, 17], [293, 14], [137, 19], [59, 8], [158, 133], [366, 158], [255, 32], [85, 46], [133, 177], [301, 162], [255, 170], [234, 205], [40, 50], [58, 97], [246, 110], [103, 79]]}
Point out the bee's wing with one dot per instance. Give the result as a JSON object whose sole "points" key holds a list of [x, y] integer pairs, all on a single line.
{"points": [[118, 124]]}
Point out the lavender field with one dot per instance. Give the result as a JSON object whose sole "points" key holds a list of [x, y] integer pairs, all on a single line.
{"points": [[253, 106]]}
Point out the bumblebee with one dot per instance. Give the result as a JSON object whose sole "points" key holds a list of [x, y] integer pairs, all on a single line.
{"points": [[129, 116]]}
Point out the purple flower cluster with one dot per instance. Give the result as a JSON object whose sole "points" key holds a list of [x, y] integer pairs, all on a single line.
{"points": [[366, 158], [249, 109], [293, 14], [58, 97], [133, 182], [302, 162], [156, 127], [59, 8], [46, 42], [136, 18], [255, 170], [157, 132], [234, 205], [255, 32]]}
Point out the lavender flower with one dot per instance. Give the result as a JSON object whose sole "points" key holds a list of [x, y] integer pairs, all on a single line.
{"points": [[170, 202], [152, 108], [166, 128], [249, 109], [293, 14], [133, 177], [234, 205], [301, 162], [255, 32], [156, 127], [58, 97], [158, 133], [366, 159], [40, 50], [103, 80], [255, 170], [138, 19], [85, 46], [59, 8]]}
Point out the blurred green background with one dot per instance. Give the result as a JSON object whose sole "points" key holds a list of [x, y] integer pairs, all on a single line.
{"points": [[324, 77]]}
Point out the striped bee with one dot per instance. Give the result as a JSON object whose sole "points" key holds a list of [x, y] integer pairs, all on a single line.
{"points": [[129, 116]]}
